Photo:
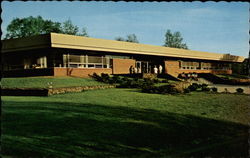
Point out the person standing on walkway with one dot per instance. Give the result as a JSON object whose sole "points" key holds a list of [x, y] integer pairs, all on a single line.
{"points": [[160, 69], [155, 70]]}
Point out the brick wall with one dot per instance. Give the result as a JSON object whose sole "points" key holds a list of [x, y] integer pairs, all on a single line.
{"points": [[80, 72], [121, 66], [172, 67]]}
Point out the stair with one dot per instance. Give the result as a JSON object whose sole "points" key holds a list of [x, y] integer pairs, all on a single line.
{"points": [[212, 78]]}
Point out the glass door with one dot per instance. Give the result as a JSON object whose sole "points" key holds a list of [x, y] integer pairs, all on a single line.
{"points": [[138, 66]]}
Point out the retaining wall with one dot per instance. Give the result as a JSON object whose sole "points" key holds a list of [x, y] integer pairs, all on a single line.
{"points": [[49, 91]]}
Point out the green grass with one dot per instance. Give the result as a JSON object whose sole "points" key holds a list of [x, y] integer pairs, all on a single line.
{"points": [[42, 82], [125, 123]]}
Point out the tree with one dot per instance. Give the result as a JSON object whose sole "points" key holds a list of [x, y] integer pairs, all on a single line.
{"points": [[130, 38], [23, 27], [120, 39], [84, 32], [174, 40], [69, 28], [31, 26]]}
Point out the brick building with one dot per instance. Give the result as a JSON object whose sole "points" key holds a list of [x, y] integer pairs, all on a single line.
{"points": [[66, 55]]}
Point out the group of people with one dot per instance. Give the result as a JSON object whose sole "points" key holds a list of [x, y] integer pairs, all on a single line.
{"points": [[158, 70], [189, 75], [133, 69]]}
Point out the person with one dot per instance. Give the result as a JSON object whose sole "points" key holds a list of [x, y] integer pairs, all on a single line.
{"points": [[183, 76], [160, 69], [135, 70], [155, 70], [131, 69], [195, 76], [138, 69]]}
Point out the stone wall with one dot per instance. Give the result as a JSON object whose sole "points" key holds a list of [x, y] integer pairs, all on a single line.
{"points": [[53, 91], [50, 91]]}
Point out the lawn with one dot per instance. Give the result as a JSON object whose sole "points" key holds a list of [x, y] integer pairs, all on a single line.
{"points": [[125, 123], [42, 82]]}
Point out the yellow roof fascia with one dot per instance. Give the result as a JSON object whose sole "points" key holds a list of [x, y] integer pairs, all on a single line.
{"points": [[56, 40], [87, 43]]}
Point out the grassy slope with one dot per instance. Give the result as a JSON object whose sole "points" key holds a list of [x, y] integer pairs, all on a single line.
{"points": [[42, 82], [125, 123]]}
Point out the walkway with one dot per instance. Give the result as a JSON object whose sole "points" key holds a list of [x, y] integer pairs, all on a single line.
{"points": [[231, 88]]}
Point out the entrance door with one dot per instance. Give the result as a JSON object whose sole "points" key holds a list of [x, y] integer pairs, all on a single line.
{"points": [[138, 66], [143, 67]]}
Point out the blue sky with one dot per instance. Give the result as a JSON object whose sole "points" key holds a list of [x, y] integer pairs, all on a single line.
{"points": [[213, 27]]}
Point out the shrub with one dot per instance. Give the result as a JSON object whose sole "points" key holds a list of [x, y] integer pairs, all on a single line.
{"points": [[214, 89], [193, 87], [205, 89], [117, 79], [187, 90], [148, 81], [148, 88], [156, 80], [164, 81], [204, 85], [239, 90], [159, 89]]}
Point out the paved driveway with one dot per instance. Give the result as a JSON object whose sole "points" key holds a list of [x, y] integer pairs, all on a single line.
{"points": [[231, 88]]}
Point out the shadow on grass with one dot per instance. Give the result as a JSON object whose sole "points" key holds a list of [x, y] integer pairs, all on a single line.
{"points": [[51, 129]]}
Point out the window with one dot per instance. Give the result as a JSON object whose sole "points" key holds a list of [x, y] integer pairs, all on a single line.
{"points": [[189, 65], [85, 61]]}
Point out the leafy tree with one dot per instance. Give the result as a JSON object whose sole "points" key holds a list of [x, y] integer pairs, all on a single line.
{"points": [[31, 26], [69, 28], [130, 38], [174, 40], [120, 39], [84, 32], [23, 27]]}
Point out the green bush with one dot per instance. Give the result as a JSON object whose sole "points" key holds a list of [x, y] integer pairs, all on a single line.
{"points": [[193, 87], [187, 90], [117, 79], [204, 88], [164, 81], [214, 89], [96, 77], [239, 90], [148, 81], [159, 89], [156, 80], [148, 88], [204, 85]]}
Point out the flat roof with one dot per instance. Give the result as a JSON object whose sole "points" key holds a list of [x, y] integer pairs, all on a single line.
{"points": [[55, 40]]}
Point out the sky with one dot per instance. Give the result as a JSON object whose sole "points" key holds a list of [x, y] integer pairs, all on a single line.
{"points": [[219, 27]]}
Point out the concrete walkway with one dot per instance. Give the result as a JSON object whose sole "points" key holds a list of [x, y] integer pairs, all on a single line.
{"points": [[221, 87], [230, 88]]}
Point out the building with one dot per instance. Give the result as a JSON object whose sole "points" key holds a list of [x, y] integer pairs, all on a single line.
{"points": [[67, 55]]}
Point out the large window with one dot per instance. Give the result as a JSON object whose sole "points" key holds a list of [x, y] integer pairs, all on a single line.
{"points": [[85, 61], [189, 65], [206, 66]]}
